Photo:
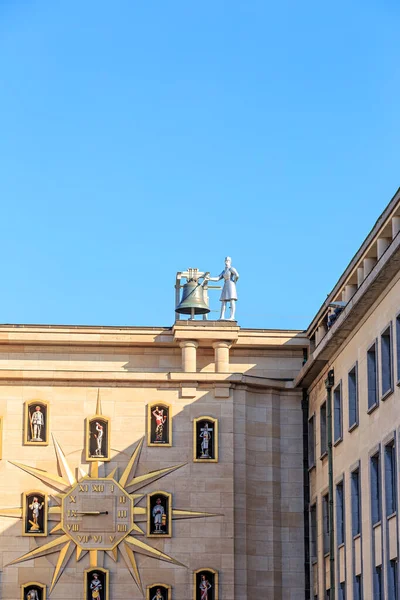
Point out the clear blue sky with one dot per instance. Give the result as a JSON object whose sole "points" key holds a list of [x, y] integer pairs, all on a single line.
{"points": [[141, 138]]}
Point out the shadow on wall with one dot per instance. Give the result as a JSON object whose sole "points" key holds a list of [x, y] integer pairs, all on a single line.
{"points": [[201, 542]]}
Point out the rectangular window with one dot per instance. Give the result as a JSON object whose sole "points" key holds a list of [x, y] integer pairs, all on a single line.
{"points": [[372, 377], [390, 478], [378, 588], [386, 361], [357, 589], [313, 533], [355, 503], [375, 489], [342, 591], [353, 397], [325, 518], [339, 514], [337, 403], [311, 442], [393, 587], [322, 424]]}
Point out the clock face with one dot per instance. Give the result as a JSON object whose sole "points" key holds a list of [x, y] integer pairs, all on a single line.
{"points": [[97, 514]]}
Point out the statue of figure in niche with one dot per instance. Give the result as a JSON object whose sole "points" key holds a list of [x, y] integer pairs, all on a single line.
{"points": [[158, 591], [35, 507], [36, 423], [96, 584], [98, 438], [159, 514], [33, 591], [35, 513], [159, 425], [98, 435], [205, 439], [206, 584], [160, 418]]}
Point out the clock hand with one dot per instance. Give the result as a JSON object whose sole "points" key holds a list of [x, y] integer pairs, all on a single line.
{"points": [[92, 512]]}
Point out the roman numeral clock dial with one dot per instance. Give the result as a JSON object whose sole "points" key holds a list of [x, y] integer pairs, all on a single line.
{"points": [[97, 514]]}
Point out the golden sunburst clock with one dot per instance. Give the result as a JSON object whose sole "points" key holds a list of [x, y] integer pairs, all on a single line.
{"points": [[97, 515]]}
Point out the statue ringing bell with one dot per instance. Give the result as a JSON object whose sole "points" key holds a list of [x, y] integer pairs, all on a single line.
{"points": [[229, 293], [194, 299]]}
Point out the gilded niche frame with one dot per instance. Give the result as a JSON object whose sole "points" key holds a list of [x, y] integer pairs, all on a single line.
{"points": [[28, 427], [165, 587], [31, 584], [25, 513], [152, 426], [98, 418], [106, 580], [196, 595], [197, 457], [168, 522]]}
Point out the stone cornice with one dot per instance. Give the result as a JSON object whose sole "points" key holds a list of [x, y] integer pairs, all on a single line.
{"points": [[115, 378], [368, 292]]}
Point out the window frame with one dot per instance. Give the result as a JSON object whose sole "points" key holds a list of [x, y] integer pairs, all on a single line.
{"points": [[340, 540], [390, 390], [325, 523], [314, 542], [397, 345], [376, 455], [374, 406], [357, 470], [356, 423], [312, 422], [393, 476], [324, 450], [339, 438]]}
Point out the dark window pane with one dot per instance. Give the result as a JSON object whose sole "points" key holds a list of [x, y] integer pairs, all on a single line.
{"points": [[386, 360], [353, 397], [372, 377]]}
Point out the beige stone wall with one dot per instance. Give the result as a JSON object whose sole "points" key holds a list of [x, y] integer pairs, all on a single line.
{"points": [[256, 487], [373, 429]]}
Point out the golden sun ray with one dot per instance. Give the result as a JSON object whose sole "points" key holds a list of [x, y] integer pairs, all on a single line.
{"points": [[49, 479], [132, 464], [82, 473], [14, 513], [137, 529], [113, 554], [56, 528], [130, 561], [128, 546], [98, 404], [80, 553], [190, 514], [142, 480], [63, 465], [65, 554], [143, 548], [48, 548], [112, 474], [93, 558], [94, 470]]}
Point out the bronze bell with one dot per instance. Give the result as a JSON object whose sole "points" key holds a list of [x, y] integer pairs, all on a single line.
{"points": [[192, 301]]}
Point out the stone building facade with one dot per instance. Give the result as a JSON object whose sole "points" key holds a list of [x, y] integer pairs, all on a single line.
{"points": [[241, 377], [354, 365], [273, 454]]}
